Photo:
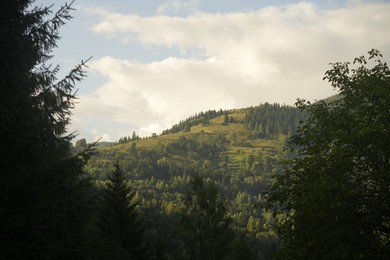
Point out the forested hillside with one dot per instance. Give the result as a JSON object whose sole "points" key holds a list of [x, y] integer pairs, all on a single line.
{"points": [[211, 187], [236, 150]]}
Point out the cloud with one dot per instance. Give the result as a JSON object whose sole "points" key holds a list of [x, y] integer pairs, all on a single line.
{"points": [[177, 6], [274, 54], [205, 31], [156, 95]]}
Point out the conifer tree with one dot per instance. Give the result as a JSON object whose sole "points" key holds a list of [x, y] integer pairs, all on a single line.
{"points": [[119, 220], [226, 118], [42, 194]]}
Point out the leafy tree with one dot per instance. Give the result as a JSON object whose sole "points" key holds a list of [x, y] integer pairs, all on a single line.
{"points": [[42, 195], [205, 225], [336, 192], [119, 220]]}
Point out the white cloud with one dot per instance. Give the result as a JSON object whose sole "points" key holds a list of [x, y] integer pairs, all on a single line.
{"points": [[157, 94], [271, 28], [150, 129], [275, 54], [94, 135]]}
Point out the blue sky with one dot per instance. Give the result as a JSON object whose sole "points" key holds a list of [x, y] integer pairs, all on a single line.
{"points": [[157, 62]]}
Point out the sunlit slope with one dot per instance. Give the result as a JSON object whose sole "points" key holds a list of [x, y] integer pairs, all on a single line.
{"points": [[237, 141]]}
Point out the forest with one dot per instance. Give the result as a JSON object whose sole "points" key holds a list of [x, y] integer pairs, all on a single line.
{"points": [[265, 182], [220, 149]]}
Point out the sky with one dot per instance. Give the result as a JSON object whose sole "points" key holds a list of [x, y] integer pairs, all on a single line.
{"points": [[156, 62]]}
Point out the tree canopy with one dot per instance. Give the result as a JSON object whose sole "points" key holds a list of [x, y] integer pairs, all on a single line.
{"points": [[42, 195], [205, 223], [337, 191]]}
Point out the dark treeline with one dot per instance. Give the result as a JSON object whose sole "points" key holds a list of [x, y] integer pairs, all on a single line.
{"points": [[263, 119], [201, 118], [274, 119], [127, 139]]}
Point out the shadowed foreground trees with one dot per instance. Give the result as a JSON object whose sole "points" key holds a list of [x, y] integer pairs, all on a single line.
{"points": [[337, 192], [205, 225], [42, 194], [119, 220]]}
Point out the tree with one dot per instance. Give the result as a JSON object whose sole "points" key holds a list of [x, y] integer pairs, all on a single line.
{"points": [[205, 224], [336, 193], [226, 118], [81, 144], [43, 189], [119, 220]]}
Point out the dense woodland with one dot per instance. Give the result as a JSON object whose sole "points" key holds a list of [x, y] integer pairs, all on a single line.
{"points": [[270, 181], [228, 154]]}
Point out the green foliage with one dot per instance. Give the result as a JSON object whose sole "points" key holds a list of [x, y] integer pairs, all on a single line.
{"points": [[267, 119], [126, 139], [205, 225], [202, 118], [80, 146], [43, 188], [119, 220], [226, 118], [337, 192], [159, 170], [45, 206]]}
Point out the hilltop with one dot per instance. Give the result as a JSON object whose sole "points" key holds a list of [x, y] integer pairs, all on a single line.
{"points": [[240, 150], [244, 131]]}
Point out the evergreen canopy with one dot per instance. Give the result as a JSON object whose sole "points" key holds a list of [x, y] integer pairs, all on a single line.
{"points": [[42, 189]]}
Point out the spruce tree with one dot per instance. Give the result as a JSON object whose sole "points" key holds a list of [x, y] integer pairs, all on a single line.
{"points": [[119, 220], [42, 194], [226, 118]]}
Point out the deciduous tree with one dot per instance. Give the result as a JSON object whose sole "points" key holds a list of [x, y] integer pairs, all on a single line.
{"points": [[337, 192], [205, 225]]}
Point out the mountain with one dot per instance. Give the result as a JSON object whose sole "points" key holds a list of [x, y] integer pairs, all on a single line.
{"points": [[240, 150]]}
